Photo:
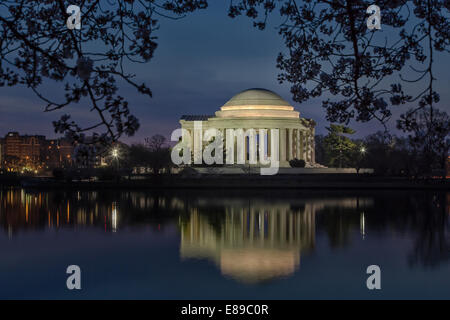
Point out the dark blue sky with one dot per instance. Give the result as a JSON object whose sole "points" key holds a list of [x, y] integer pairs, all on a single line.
{"points": [[201, 62]]}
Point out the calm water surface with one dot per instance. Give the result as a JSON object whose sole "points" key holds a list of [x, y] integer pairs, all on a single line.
{"points": [[224, 245]]}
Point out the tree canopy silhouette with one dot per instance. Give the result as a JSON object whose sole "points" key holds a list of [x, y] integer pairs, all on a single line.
{"points": [[330, 49], [364, 72], [37, 49]]}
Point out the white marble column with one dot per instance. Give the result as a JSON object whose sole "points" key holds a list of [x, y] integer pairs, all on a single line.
{"points": [[198, 145], [191, 143], [282, 144], [245, 147], [187, 137], [290, 144], [297, 154], [252, 146], [222, 133], [302, 145], [309, 147], [306, 147], [229, 146], [235, 149]]}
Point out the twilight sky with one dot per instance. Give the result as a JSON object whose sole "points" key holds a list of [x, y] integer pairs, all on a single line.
{"points": [[201, 62]]}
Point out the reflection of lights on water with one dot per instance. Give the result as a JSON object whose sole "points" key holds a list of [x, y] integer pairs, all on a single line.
{"points": [[114, 217], [362, 224]]}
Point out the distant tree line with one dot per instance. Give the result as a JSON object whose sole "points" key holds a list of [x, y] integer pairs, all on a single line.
{"points": [[153, 155], [122, 160], [420, 154]]}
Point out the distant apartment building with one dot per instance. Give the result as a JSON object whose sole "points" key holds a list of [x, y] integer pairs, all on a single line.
{"points": [[57, 153], [33, 152]]}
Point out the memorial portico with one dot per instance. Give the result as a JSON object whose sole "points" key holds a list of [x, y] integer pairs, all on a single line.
{"points": [[260, 109]]}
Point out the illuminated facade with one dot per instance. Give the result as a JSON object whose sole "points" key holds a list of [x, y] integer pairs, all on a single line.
{"points": [[261, 109], [33, 152]]}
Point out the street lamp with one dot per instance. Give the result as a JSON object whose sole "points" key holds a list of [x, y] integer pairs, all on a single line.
{"points": [[115, 155], [363, 150]]}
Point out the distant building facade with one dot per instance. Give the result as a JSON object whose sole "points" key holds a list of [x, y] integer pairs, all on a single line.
{"points": [[33, 152]]}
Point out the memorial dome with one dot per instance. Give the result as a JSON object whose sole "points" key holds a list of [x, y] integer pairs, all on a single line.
{"points": [[257, 103]]}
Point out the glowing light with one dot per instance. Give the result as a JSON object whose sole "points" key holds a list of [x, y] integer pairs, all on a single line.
{"points": [[363, 150], [114, 217], [362, 225], [257, 107]]}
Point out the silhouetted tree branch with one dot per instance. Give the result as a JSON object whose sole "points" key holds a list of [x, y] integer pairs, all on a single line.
{"points": [[330, 49], [38, 51]]}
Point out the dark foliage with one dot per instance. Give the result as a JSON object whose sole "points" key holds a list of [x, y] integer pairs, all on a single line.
{"points": [[297, 163], [330, 49], [38, 51]]}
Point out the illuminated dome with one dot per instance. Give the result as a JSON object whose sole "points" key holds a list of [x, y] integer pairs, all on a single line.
{"points": [[257, 103]]}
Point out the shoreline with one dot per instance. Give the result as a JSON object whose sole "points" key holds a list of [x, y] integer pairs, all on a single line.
{"points": [[299, 182]]}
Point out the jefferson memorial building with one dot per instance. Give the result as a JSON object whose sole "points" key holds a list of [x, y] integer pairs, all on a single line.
{"points": [[262, 109]]}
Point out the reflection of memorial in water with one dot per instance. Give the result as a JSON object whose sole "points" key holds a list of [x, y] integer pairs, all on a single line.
{"points": [[254, 241]]}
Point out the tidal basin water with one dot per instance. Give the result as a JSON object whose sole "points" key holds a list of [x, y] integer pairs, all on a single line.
{"points": [[224, 245]]}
